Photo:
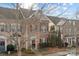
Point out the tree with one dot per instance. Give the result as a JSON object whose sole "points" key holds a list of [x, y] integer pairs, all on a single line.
{"points": [[20, 14], [59, 41], [10, 47], [52, 38], [21, 17]]}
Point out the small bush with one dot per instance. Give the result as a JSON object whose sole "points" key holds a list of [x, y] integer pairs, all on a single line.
{"points": [[29, 51], [74, 46], [10, 47], [43, 45], [23, 49]]}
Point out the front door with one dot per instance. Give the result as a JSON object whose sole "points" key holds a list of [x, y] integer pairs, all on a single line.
{"points": [[2, 45], [33, 44]]}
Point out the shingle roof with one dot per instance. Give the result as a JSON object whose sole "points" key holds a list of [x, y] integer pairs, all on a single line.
{"points": [[55, 20], [6, 13]]}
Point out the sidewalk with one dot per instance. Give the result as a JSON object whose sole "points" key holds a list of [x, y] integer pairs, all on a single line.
{"points": [[69, 52], [52, 50], [62, 53]]}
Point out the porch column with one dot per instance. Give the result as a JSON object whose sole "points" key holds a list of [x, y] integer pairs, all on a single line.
{"points": [[71, 41], [67, 40], [5, 44], [27, 37], [36, 44], [26, 44]]}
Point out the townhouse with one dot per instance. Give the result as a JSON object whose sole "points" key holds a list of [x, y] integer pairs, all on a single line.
{"points": [[29, 31]]}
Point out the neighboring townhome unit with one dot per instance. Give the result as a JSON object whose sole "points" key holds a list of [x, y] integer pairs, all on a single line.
{"points": [[31, 32], [70, 31]]}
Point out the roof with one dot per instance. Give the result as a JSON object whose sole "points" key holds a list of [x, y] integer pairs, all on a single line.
{"points": [[54, 19], [7, 13]]}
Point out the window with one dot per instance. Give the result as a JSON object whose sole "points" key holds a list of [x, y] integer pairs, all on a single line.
{"points": [[73, 23], [2, 43], [40, 40], [36, 27], [30, 28], [43, 28], [69, 31], [8, 27], [44, 40], [13, 27], [33, 28], [2, 27], [70, 22], [19, 28]]}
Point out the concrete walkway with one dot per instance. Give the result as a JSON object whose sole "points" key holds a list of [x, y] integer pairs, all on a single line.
{"points": [[58, 53], [70, 52]]}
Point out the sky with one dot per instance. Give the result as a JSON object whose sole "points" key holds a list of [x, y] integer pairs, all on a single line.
{"points": [[66, 10]]}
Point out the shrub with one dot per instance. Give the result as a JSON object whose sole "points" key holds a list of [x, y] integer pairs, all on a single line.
{"points": [[29, 51], [74, 46], [23, 49], [10, 47], [43, 45]]}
